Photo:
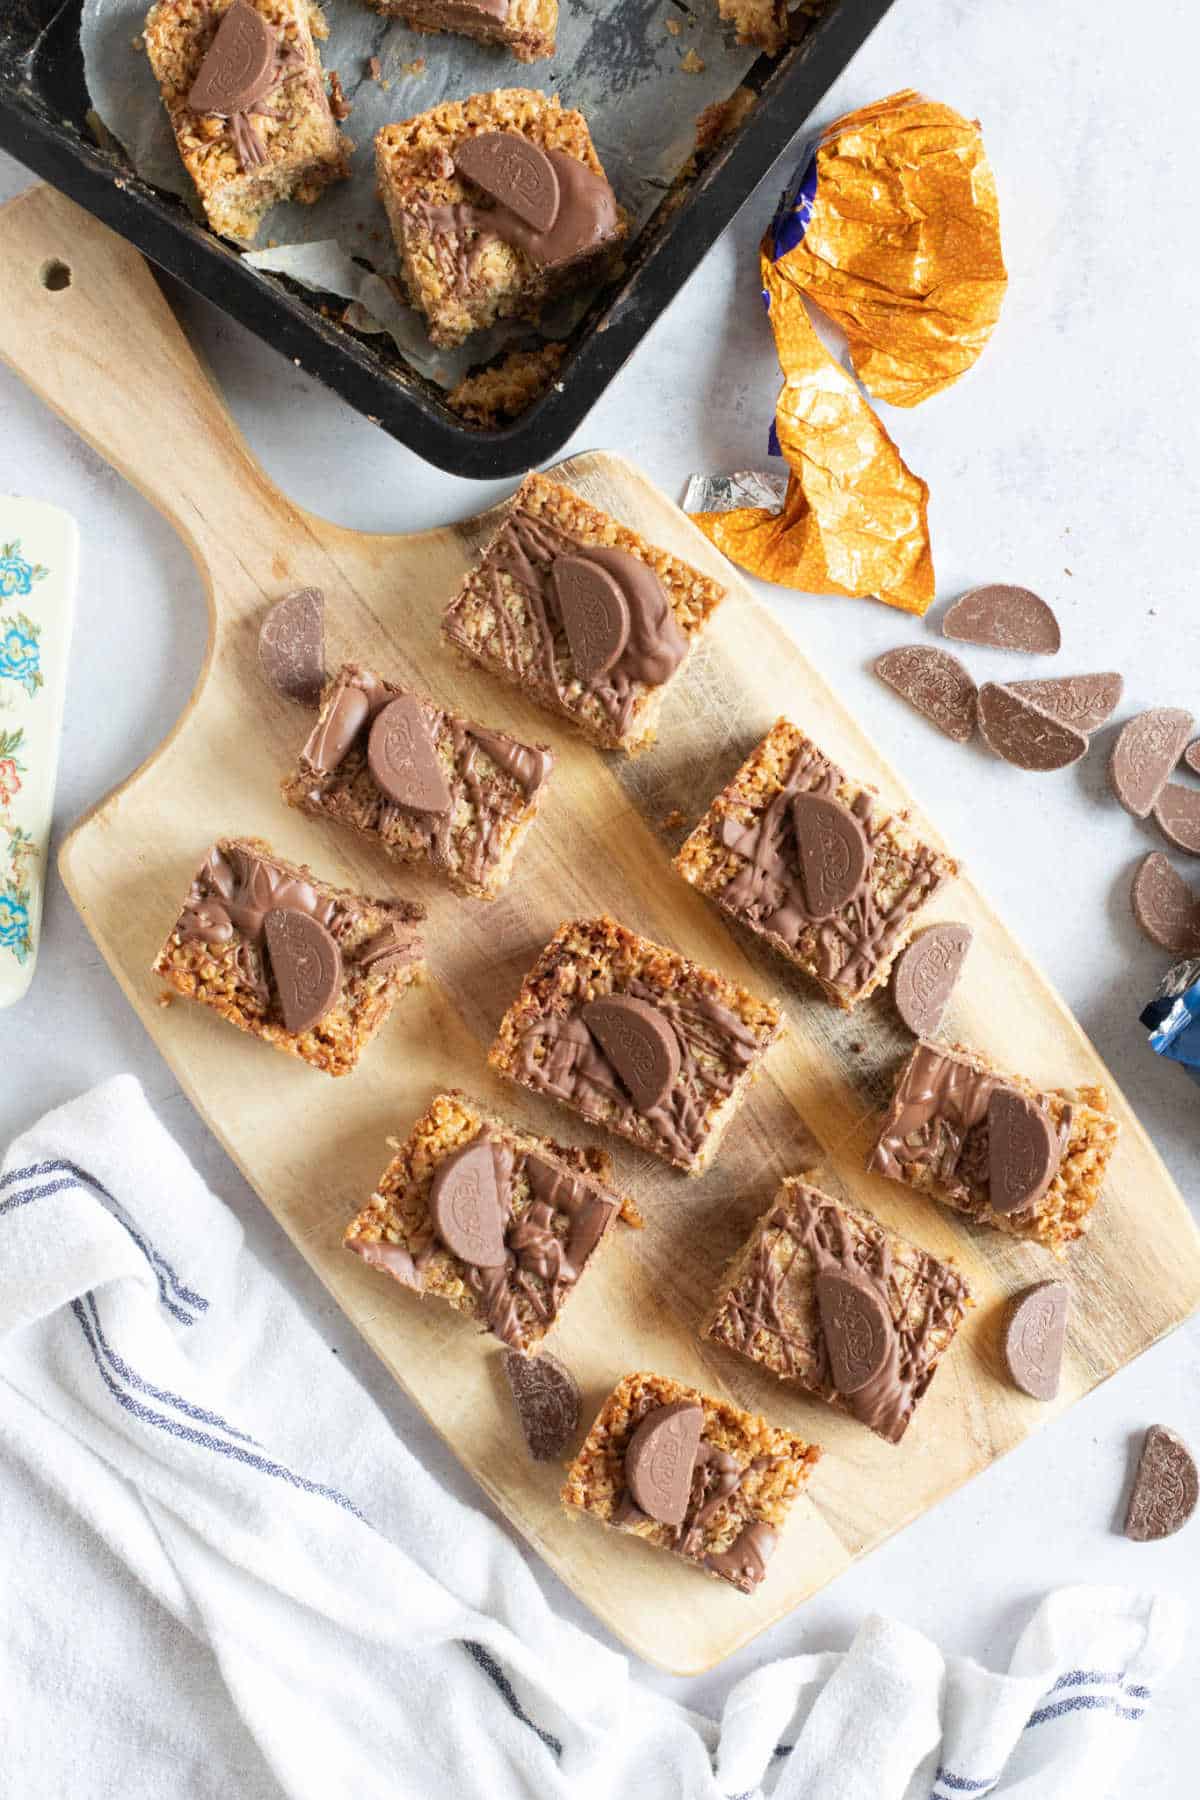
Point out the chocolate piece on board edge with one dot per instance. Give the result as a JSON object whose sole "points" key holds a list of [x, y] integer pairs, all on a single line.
{"points": [[927, 973], [291, 646], [1035, 1337]]}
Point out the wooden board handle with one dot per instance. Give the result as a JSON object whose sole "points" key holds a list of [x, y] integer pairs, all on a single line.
{"points": [[85, 324]]}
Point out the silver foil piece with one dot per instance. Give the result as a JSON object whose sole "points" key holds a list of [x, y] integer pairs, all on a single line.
{"points": [[725, 493]]}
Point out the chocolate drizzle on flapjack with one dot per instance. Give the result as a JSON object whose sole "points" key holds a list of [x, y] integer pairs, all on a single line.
{"points": [[235, 890], [546, 1244], [807, 1236], [526, 550], [561, 1057], [343, 730], [716, 1477], [767, 888], [938, 1121]]}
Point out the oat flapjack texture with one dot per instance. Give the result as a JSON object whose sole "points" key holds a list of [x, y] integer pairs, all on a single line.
{"points": [[496, 621], [526, 27], [773, 1464], [743, 855], [721, 1031], [458, 275], [396, 1231], [303, 149], [934, 1138], [768, 1309], [494, 783], [378, 941]]}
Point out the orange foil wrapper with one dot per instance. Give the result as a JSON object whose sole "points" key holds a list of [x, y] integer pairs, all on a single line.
{"points": [[892, 229], [894, 234], [854, 518]]}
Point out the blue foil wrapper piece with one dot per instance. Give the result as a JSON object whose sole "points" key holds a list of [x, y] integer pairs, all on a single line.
{"points": [[795, 209], [1173, 1018]]}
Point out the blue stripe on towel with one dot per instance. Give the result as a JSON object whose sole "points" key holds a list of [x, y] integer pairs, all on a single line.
{"points": [[960, 1784], [181, 1290], [120, 1367], [76, 1178], [188, 1433], [505, 1689], [947, 1784], [1083, 1703]]}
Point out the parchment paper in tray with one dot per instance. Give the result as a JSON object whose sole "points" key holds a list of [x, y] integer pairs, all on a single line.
{"points": [[616, 61]]}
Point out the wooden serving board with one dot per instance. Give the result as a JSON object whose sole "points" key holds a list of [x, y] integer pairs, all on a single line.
{"points": [[106, 353]]}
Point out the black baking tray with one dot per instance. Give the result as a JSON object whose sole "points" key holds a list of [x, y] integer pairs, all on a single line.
{"points": [[43, 122]]}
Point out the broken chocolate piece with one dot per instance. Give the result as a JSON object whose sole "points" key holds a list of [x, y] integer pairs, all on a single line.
{"points": [[833, 852], [291, 646], [1144, 755], [926, 975], [1165, 907], [1023, 1151], [514, 172], [1034, 1338], [547, 1398], [240, 66], [595, 614], [856, 1328], [1005, 618], [660, 1459], [403, 758], [1191, 756], [1177, 813], [936, 683], [1165, 1488], [641, 1044], [1081, 701], [466, 1208], [306, 964], [1025, 735]]}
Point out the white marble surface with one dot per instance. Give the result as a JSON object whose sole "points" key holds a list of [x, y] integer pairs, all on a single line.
{"points": [[1065, 461]]}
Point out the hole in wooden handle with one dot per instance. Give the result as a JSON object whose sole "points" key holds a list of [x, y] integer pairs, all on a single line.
{"points": [[55, 275]]}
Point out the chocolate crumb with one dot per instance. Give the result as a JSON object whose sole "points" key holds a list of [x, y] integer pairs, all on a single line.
{"points": [[374, 68], [692, 64], [339, 106]]}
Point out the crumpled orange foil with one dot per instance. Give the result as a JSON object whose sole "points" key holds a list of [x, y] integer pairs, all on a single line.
{"points": [[892, 229], [902, 246], [854, 519]]}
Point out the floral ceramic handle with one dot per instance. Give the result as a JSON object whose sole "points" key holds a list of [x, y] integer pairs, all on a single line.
{"points": [[38, 557]]}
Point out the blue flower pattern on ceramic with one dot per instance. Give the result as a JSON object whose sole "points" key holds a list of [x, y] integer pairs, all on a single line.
{"points": [[20, 653], [17, 576], [20, 662]]}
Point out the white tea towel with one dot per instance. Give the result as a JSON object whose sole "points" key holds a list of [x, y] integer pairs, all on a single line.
{"points": [[223, 1575]]}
